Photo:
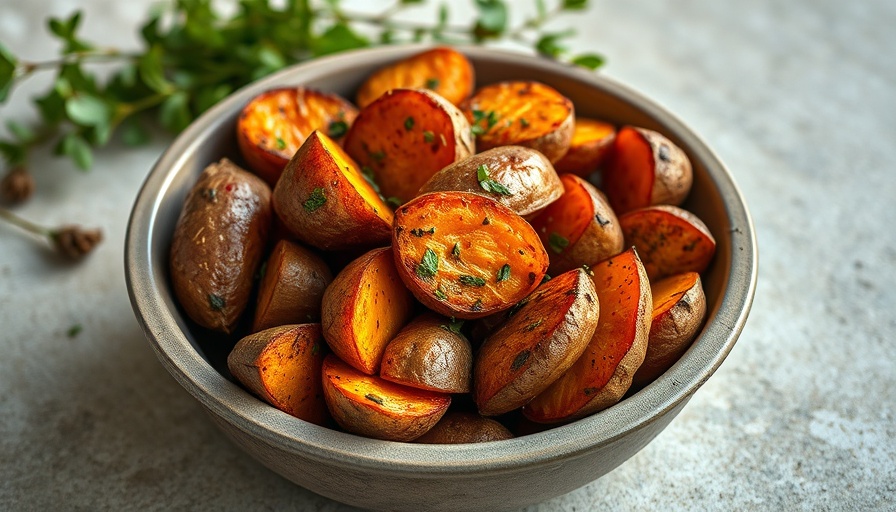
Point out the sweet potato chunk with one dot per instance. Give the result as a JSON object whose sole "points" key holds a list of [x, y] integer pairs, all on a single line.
{"points": [[364, 308], [669, 240], [522, 113], [325, 201], [282, 365], [442, 70], [429, 353], [464, 255], [521, 178], [580, 228], [405, 137], [292, 287], [646, 169], [273, 126], [373, 407], [679, 307], [218, 244], [536, 345], [592, 141], [465, 427], [602, 375]]}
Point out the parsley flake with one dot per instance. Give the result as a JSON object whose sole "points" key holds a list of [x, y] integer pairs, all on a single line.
{"points": [[429, 264], [379, 156], [315, 200], [281, 144], [504, 273], [419, 232], [337, 129], [558, 243], [440, 294], [216, 302], [456, 251], [409, 124], [490, 117], [74, 330], [428, 136], [373, 398], [520, 360], [471, 280], [453, 326], [534, 325], [524, 123], [488, 184], [432, 83]]}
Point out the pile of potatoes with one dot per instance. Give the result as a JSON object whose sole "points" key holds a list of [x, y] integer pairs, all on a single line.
{"points": [[385, 278]]}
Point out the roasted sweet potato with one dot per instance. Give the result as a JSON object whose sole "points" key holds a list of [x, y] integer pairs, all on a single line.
{"points": [[282, 365], [679, 307], [405, 137], [591, 143], [291, 288], [465, 427], [578, 229], [465, 255], [429, 353], [521, 178], [669, 240], [364, 308], [218, 244], [373, 407], [442, 70], [522, 113], [325, 201], [602, 375], [273, 126], [535, 346], [645, 169]]}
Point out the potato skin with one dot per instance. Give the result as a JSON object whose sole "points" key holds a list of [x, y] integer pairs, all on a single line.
{"points": [[526, 173], [426, 354], [464, 427], [534, 347], [218, 244], [443, 70]]}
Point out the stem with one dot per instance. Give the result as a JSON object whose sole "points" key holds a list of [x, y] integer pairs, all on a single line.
{"points": [[409, 26], [27, 225]]}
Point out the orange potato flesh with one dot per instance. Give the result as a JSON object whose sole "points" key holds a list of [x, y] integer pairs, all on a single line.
{"points": [[273, 126], [364, 307], [566, 217], [669, 240], [603, 373], [591, 143], [442, 70], [487, 236], [628, 180], [669, 291], [352, 172], [522, 113], [373, 407], [405, 137]]}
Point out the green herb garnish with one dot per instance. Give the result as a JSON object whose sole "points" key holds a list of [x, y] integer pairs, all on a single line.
{"points": [[453, 326], [490, 117], [337, 129], [373, 398], [419, 232], [394, 202], [281, 144], [456, 250], [524, 123], [409, 124], [477, 306], [429, 264], [488, 184], [378, 156], [557, 242], [520, 360], [440, 294], [432, 83], [315, 200], [534, 325], [74, 330], [503, 273], [428, 136], [216, 302], [471, 280]]}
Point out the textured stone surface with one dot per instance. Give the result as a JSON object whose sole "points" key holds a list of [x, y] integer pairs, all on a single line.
{"points": [[796, 97]]}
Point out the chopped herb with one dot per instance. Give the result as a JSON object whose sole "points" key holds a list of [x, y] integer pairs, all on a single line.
{"points": [[453, 326], [490, 117], [520, 360], [557, 243], [488, 184], [337, 129], [281, 144], [74, 330], [477, 306], [440, 294], [471, 280], [409, 124], [428, 136], [394, 202], [216, 302], [315, 349], [373, 398], [429, 264], [315, 200], [517, 307], [419, 232], [545, 279], [378, 155], [367, 172], [524, 123], [262, 270], [486, 221], [210, 194], [534, 325], [456, 251], [432, 83], [504, 273]]}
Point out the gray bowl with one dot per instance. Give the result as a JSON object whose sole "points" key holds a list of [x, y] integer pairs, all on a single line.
{"points": [[398, 476]]}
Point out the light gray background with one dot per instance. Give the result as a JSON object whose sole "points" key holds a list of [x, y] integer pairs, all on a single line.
{"points": [[798, 98]]}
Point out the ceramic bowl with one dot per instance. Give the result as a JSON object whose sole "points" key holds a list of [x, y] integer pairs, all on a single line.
{"points": [[402, 476]]}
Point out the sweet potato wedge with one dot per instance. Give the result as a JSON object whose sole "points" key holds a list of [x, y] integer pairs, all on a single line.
{"points": [[274, 124], [406, 136], [364, 308], [590, 146], [579, 228], [429, 353], [291, 288], [325, 201], [535, 346], [282, 365], [465, 255], [522, 113], [602, 375], [465, 427], [669, 240], [442, 70], [218, 244], [373, 407], [645, 169], [679, 308], [520, 178]]}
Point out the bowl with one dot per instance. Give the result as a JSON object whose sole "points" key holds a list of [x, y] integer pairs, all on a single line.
{"points": [[403, 476]]}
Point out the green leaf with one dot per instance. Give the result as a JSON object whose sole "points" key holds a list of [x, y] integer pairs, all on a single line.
{"points": [[338, 38], [51, 106], [471, 280], [429, 264], [548, 45], [133, 133], [503, 273], [14, 153], [557, 242], [175, 112], [152, 72], [207, 97], [492, 19], [87, 110], [315, 200], [8, 64], [590, 61], [575, 5], [75, 147], [65, 30], [453, 325], [22, 132], [490, 185]]}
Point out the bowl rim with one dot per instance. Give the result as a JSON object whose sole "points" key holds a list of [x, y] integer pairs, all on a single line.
{"points": [[237, 407]]}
